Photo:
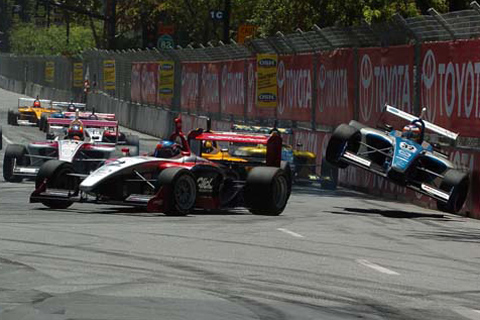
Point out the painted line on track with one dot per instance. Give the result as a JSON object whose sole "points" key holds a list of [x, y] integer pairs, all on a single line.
{"points": [[468, 313], [377, 267], [7, 140], [294, 234]]}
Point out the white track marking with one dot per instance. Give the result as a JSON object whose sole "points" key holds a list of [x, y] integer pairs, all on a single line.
{"points": [[297, 235], [468, 313], [8, 140], [376, 267]]}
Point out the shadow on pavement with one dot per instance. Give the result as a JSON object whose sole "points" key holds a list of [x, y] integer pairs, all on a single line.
{"points": [[397, 214], [471, 235]]}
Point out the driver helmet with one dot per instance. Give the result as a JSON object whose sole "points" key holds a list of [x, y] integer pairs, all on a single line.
{"points": [[75, 131], [412, 132], [36, 104], [167, 149], [71, 107]]}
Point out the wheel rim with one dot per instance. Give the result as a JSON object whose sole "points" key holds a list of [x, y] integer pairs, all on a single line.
{"points": [[185, 193], [280, 189]]}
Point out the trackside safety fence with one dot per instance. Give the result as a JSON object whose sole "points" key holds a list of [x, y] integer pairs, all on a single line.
{"points": [[320, 78]]}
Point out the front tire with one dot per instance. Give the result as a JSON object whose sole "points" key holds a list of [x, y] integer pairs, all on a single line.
{"points": [[133, 141], [55, 172], [181, 191], [15, 117], [344, 138], [15, 154], [267, 191], [456, 183]]}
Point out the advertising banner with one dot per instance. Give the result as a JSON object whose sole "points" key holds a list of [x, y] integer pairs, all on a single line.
{"points": [[149, 85], [49, 71], [267, 80], [232, 91], [295, 87], [136, 79], [190, 90], [109, 75], [78, 75], [166, 82], [335, 87], [210, 87], [385, 76], [450, 85]]}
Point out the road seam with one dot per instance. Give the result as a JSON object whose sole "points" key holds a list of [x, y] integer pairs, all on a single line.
{"points": [[294, 234], [377, 267], [6, 139]]}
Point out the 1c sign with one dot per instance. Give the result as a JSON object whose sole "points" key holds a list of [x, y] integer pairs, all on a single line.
{"points": [[217, 14]]}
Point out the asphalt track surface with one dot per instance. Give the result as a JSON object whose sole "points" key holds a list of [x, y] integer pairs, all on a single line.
{"points": [[330, 255]]}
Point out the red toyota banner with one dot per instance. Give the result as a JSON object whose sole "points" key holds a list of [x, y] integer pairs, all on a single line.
{"points": [[385, 75], [210, 88], [135, 88], [335, 87], [295, 87], [450, 85], [149, 78], [190, 90], [232, 91]]}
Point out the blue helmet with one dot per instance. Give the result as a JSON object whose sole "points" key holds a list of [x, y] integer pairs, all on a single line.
{"points": [[167, 149]]}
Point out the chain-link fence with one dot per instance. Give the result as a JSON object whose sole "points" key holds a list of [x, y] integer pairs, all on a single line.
{"points": [[57, 72]]}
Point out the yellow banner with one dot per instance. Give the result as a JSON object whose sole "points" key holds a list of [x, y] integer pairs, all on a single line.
{"points": [[49, 71], [267, 80], [78, 75], [109, 74], [166, 79]]}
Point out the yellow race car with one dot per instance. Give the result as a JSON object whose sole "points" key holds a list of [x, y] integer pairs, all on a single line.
{"points": [[30, 111], [302, 163]]}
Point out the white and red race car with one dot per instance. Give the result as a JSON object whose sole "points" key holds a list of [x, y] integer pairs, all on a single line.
{"points": [[87, 150]]}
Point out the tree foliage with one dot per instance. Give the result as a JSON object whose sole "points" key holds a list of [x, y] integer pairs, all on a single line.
{"points": [[26, 38]]}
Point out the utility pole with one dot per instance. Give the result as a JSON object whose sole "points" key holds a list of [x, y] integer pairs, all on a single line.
{"points": [[226, 21], [110, 15]]}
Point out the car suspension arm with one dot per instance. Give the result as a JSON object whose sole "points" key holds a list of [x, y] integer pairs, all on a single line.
{"points": [[145, 180]]}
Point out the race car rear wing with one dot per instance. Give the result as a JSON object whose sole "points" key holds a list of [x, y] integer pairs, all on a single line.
{"points": [[259, 129], [83, 115], [428, 125], [273, 142], [64, 105], [87, 123]]}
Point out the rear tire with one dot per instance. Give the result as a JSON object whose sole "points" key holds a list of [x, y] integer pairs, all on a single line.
{"points": [[181, 190], [344, 138], [133, 141], [9, 117], [43, 122], [55, 171], [267, 191], [456, 183], [15, 117], [15, 154]]}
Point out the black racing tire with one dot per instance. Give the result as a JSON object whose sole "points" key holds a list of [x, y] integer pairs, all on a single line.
{"points": [[357, 125], [55, 172], [344, 138], [15, 117], [285, 166], [456, 183], [15, 154], [9, 117], [133, 141], [267, 191], [180, 190], [42, 123]]}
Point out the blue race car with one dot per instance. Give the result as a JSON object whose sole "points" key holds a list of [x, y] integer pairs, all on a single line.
{"points": [[402, 157]]}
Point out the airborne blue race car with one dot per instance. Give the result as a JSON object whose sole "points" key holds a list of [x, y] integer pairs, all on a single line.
{"points": [[402, 157]]}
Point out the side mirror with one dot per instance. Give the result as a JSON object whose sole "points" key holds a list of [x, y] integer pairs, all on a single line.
{"points": [[299, 144], [422, 114], [388, 127]]}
